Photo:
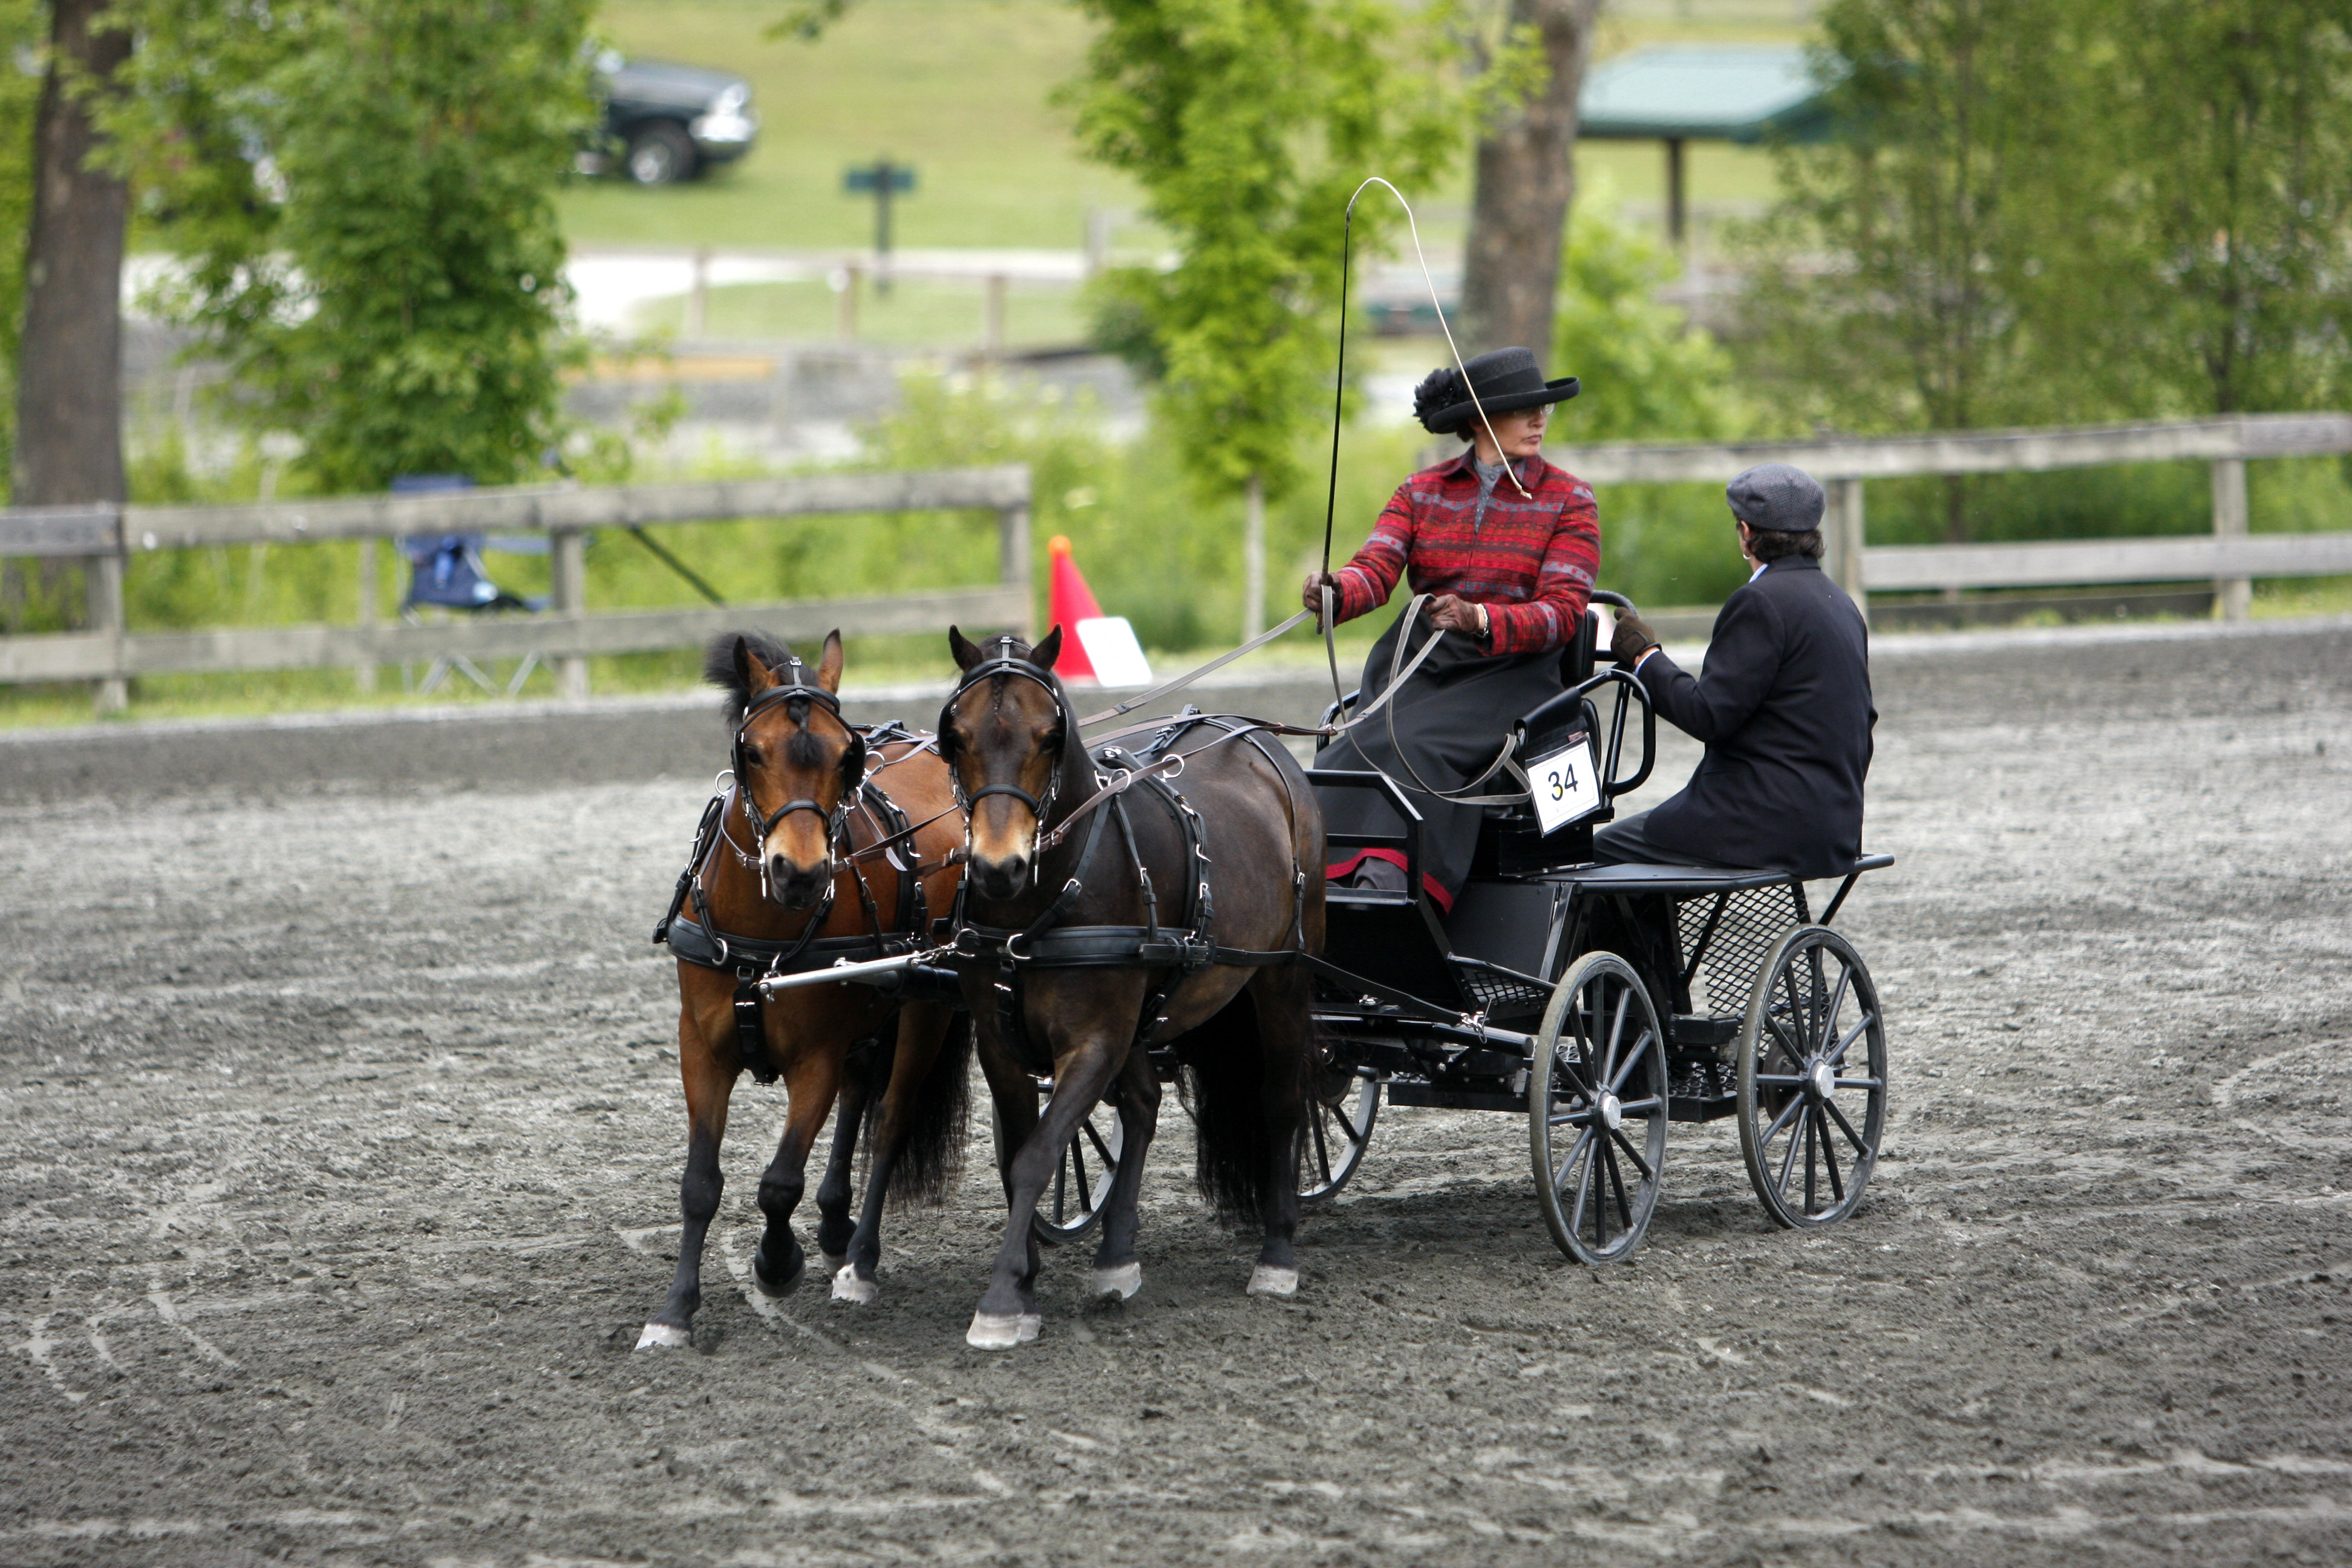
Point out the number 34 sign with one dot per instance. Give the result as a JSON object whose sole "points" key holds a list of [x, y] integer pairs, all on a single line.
{"points": [[1565, 784]]}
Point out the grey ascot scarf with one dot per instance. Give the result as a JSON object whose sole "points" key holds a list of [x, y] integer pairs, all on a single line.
{"points": [[1489, 476]]}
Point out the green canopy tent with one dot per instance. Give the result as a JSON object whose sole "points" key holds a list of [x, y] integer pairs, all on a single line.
{"points": [[1739, 94]]}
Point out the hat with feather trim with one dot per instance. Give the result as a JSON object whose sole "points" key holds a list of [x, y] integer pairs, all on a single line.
{"points": [[1505, 381]]}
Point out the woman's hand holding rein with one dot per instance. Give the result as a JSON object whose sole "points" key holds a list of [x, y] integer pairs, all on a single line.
{"points": [[1452, 614]]}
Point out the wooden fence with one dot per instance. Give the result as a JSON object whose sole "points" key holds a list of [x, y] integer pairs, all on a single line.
{"points": [[566, 634], [2229, 557]]}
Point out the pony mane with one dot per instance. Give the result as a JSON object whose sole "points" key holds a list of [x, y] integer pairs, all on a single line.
{"points": [[718, 667]]}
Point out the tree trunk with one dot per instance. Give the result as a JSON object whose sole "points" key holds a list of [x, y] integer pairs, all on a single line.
{"points": [[1253, 559], [69, 366], [1527, 175]]}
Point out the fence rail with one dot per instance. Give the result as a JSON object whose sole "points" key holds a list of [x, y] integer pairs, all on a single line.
{"points": [[566, 634], [2228, 556]]}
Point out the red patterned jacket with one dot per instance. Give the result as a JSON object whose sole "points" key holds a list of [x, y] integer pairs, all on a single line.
{"points": [[1530, 560]]}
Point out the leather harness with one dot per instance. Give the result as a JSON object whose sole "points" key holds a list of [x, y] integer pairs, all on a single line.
{"points": [[696, 940], [1179, 948]]}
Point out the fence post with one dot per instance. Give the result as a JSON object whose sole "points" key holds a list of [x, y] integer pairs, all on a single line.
{"points": [[1012, 560], [567, 556], [371, 595], [1845, 541], [2233, 597], [102, 594]]}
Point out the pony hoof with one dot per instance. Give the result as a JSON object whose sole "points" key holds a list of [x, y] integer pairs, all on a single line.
{"points": [[772, 1288], [663, 1337], [1002, 1331], [847, 1287], [1266, 1279], [1120, 1283]]}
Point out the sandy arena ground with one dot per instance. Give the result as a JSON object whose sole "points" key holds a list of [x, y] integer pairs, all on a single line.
{"points": [[340, 1133]]}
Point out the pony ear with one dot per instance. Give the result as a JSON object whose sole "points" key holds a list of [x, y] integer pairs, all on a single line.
{"points": [[828, 664], [755, 676], [1044, 654], [966, 655]]}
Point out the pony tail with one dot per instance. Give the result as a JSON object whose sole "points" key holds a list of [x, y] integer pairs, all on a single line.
{"points": [[938, 1124], [1223, 1087]]}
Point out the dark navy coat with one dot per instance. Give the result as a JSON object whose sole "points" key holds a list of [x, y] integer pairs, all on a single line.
{"points": [[1785, 712]]}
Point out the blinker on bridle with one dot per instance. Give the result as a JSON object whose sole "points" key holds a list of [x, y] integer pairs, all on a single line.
{"points": [[1002, 662], [796, 688]]}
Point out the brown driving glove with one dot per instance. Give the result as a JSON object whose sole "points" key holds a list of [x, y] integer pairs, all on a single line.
{"points": [[1632, 637]]}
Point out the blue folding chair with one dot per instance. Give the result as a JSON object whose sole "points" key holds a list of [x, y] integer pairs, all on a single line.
{"points": [[446, 572]]}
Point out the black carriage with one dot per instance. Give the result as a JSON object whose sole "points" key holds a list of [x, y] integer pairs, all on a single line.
{"points": [[1600, 1002]]}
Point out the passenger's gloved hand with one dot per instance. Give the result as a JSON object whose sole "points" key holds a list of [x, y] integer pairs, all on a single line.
{"points": [[1632, 637], [1310, 593]]}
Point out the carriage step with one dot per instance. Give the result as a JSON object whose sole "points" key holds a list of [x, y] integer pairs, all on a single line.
{"points": [[1701, 1107], [1444, 1098]]}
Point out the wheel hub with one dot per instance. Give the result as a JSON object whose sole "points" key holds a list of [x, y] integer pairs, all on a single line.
{"points": [[1822, 1081], [1611, 1111]]}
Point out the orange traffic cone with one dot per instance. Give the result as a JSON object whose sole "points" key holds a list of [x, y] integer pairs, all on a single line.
{"points": [[1070, 601]]}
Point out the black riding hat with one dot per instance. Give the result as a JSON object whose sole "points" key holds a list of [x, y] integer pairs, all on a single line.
{"points": [[1506, 380]]}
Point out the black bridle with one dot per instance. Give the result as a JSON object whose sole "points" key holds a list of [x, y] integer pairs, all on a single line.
{"points": [[797, 688], [1004, 661]]}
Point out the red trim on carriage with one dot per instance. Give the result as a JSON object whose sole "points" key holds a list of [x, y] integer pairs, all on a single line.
{"points": [[1438, 895]]}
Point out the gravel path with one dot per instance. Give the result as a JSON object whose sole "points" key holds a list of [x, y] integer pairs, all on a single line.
{"points": [[339, 1131]]}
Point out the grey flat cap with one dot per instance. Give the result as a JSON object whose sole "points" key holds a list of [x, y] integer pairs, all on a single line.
{"points": [[1778, 497]]}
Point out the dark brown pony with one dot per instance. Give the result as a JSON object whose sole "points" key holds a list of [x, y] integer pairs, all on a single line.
{"points": [[764, 875], [1242, 1032]]}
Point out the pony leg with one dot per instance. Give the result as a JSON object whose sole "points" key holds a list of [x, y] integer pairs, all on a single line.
{"points": [[1287, 1038], [1117, 1271], [709, 1074], [811, 1082], [833, 1225], [922, 1030], [1007, 1314]]}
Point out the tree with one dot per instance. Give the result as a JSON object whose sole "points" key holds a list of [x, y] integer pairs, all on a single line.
{"points": [[1900, 263], [1525, 180], [1649, 374], [1248, 123], [2231, 124], [362, 194], [68, 361]]}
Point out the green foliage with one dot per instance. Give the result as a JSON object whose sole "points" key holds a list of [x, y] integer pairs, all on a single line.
{"points": [[23, 29], [2065, 210], [1248, 123], [1648, 373], [361, 193]]}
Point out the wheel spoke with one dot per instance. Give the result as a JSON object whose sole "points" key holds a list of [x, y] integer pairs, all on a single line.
{"points": [[1616, 1179], [1641, 1107], [1860, 1147], [1811, 1124], [1078, 1168], [1856, 1082], [1619, 1139], [1640, 1046], [1061, 1190], [1616, 1034], [1583, 1181], [1838, 1054], [1789, 1154], [1102, 1145], [1837, 1001], [1787, 1080], [1772, 1131], [1322, 1152], [1829, 1156]]}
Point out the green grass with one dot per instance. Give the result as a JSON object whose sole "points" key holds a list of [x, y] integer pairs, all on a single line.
{"points": [[961, 90], [958, 89]]}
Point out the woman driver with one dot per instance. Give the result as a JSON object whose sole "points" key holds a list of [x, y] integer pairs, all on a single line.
{"points": [[1507, 545]]}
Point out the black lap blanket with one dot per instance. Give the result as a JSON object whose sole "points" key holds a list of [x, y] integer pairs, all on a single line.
{"points": [[1451, 717]]}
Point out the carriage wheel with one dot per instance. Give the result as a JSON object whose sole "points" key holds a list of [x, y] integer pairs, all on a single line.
{"points": [[1338, 1132], [1071, 1205], [1597, 1110], [1812, 1107]]}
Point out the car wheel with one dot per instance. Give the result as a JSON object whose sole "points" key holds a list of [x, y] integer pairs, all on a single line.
{"points": [[659, 154]]}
